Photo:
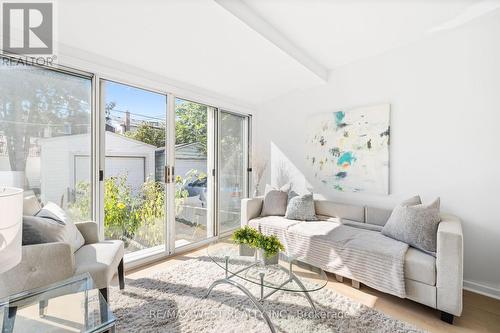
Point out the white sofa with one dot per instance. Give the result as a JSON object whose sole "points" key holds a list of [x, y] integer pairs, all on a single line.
{"points": [[432, 281]]}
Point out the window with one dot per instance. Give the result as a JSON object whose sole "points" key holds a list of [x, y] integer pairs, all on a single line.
{"points": [[45, 124]]}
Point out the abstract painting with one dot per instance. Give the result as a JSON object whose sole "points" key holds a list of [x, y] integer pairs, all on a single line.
{"points": [[349, 150]]}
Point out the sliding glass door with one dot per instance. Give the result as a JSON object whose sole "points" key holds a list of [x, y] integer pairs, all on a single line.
{"points": [[134, 185], [194, 155], [233, 168]]}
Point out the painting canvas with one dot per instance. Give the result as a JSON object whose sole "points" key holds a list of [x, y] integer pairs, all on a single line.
{"points": [[349, 149]]}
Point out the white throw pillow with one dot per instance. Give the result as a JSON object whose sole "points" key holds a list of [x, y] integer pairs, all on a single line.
{"points": [[31, 205], [71, 233]]}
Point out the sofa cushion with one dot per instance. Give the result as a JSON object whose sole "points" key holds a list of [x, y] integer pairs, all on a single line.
{"points": [[420, 266], [350, 223], [377, 216], [350, 212], [100, 260], [361, 225]]}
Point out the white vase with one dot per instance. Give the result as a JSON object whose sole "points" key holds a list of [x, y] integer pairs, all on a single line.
{"points": [[256, 192]]}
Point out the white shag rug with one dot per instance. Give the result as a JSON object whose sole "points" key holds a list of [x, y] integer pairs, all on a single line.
{"points": [[172, 301]]}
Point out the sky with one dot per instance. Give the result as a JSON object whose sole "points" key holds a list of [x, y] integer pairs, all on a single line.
{"points": [[136, 100]]}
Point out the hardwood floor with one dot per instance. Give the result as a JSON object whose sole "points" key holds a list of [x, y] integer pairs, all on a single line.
{"points": [[480, 314]]}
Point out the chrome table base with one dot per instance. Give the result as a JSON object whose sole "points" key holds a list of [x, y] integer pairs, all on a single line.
{"points": [[258, 303]]}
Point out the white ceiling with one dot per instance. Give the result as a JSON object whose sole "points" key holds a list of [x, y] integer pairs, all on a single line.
{"points": [[201, 43]]}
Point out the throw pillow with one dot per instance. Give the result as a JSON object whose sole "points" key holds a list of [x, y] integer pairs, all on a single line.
{"points": [[31, 205], [301, 207], [275, 201], [71, 233], [415, 225], [39, 230], [291, 194]]}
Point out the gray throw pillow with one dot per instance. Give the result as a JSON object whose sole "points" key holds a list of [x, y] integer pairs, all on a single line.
{"points": [[301, 207], [415, 225], [275, 201], [71, 234], [39, 230]]}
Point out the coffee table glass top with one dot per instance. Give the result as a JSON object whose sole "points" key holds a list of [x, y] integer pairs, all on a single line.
{"points": [[274, 276], [72, 305]]}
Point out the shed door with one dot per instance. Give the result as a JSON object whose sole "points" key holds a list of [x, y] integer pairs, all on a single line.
{"points": [[131, 166]]}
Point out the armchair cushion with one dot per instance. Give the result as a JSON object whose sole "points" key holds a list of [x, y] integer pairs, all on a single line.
{"points": [[100, 260]]}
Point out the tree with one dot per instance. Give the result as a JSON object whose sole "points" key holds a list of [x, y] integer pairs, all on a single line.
{"points": [[34, 100], [191, 124], [148, 134]]}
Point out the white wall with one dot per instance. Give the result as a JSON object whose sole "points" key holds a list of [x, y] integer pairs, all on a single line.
{"points": [[444, 92]]}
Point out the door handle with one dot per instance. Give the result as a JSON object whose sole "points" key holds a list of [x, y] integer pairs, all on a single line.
{"points": [[169, 174]]}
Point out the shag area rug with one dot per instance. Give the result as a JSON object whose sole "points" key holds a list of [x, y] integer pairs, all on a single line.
{"points": [[172, 301]]}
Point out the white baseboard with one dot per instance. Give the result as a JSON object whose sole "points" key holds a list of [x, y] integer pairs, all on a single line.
{"points": [[482, 289]]}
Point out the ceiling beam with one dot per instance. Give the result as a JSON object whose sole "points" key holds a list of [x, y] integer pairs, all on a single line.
{"points": [[248, 16]]}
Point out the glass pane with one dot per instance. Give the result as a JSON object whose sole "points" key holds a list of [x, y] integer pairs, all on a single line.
{"points": [[45, 127], [232, 169], [191, 169], [134, 192]]}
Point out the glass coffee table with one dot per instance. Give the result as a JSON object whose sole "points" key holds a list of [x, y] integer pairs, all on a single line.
{"points": [[72, 305], [288, 275]]}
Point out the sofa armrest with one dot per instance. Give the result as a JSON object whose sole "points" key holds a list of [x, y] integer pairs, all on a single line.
{"points": [[89, 231], [41, 265], [250, 209], [449, 265]]}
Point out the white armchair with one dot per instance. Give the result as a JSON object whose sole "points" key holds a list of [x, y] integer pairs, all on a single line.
{"points": [[43, 264]]}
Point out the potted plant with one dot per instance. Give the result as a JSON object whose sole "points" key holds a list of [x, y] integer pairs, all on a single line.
{"points": [[268, 248], [245, 237]]}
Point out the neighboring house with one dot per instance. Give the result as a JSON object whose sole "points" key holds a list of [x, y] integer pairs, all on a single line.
{"points": [[188, 156], [65, 162]]}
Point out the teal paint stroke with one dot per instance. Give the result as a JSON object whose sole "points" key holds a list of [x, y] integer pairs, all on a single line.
{"points": [[347, 157], [339, 117]]}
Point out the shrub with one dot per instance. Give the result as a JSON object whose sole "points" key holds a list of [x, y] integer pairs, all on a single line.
{"points": [[248, 235], [270, 244], [132, 214], [245, 235]]}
